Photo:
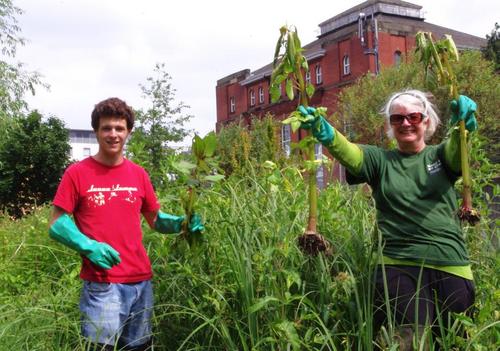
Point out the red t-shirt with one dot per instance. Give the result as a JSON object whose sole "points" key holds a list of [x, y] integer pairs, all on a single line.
{"points": [[107, 203]]}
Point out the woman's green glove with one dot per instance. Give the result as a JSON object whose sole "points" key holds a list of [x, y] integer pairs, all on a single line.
{"points": [[65, 231], [463, 109], [321, 129]]}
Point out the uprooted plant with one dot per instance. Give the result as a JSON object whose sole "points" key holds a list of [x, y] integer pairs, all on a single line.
{"points": [[436, 58], [289, 66], [197, 174]]}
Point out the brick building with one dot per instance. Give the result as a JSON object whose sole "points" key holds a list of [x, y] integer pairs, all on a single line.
{"points": [[350, 44]]}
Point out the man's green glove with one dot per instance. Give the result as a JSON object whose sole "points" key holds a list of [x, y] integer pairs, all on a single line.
{"points": [[463, 109], [196, 224], [321, 129], [65, 231], [168, 224]]}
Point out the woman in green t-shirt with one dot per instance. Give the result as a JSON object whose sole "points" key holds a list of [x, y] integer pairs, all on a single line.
{"points": [[427, 269]]}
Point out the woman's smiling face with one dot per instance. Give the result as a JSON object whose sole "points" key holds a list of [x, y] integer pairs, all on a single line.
{"points": [[410, 137]]}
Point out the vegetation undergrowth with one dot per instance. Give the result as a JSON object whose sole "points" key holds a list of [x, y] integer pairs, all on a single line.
{"points": [[248, 287]]}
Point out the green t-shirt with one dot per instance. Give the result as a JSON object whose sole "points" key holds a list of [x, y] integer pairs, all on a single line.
{"points": [[416, 205]]}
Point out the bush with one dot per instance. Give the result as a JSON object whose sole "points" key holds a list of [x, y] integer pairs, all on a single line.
{"points": [[33, 156]]}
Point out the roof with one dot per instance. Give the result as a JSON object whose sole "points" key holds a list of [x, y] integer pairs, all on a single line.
{"points": [[371, 7], [392, 15]]}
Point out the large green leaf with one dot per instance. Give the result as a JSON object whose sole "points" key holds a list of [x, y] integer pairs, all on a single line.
{"points": [[198, 147], [210, 144], [275, 92], [289, 89], [310, 90], [261, 303], [183, 166]]}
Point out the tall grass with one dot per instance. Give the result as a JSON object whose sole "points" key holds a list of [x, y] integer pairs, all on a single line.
{"points": [[248, 287]]}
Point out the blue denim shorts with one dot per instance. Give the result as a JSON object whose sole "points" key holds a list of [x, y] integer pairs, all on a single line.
{"points": [[117, 314]]}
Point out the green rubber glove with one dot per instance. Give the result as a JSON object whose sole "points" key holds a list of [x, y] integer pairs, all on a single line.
{"points": [[168, 224], [464, 109], [321, 129], [65, 231], [196, 224]]}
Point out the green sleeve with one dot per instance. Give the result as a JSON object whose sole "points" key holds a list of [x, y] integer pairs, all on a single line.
{"points": [[348, 154], [452, 150]]}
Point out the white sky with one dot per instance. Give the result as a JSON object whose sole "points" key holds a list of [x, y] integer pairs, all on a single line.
{"points": [[88, 50]]}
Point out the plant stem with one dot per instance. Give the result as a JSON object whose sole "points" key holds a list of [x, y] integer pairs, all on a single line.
{"points": [[311, 155], [313, 194], [464, 155], [464, 162], [446, 75]]}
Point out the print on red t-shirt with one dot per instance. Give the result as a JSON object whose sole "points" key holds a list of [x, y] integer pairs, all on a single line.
{"points": [[107, 203]]}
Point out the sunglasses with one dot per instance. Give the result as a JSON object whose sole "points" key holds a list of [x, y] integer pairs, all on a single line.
{"points": [[412, 118]]}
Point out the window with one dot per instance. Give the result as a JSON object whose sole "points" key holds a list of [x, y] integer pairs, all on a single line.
{"points": [[252, 97], [232, 104], [261, 95], [286, 139], [308, 77], [86, 152], [319, 77], [318, 151], [397, 58], [346, 64]]}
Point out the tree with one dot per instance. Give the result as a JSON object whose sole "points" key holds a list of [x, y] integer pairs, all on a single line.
{"points": [[358, 113], [32, 160], [158, 125], [492, 50], [241, 148], [15, 81]]}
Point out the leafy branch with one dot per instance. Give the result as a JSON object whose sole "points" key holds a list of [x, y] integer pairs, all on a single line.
{"points": [[289, 65], [198, 174], [437, 58]]}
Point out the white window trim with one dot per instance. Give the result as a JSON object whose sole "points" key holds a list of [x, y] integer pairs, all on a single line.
{"points": [[252, 97], [232, 104], [346, 64], [318, 152], [319, 75], [286, 139], [397, 57], [308, 77], [261, 95]]}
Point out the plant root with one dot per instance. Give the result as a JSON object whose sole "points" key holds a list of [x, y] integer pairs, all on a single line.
{"points": [[470, 215], [312, 244]]}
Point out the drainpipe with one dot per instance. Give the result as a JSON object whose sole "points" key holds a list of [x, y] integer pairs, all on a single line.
{"points": [[375, 43]]}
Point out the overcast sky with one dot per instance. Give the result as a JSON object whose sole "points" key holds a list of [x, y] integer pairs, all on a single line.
{"points": [[88, 50]]}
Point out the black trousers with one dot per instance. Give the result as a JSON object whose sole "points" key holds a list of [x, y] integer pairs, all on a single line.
{"points": [[419, 295]]}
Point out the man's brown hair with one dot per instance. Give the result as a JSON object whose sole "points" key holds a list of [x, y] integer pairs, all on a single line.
{"points": [[112, 107]]}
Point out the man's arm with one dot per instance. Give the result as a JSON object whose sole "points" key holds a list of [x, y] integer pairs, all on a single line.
{"points": [[56, 213], [150, 217], [62, 229]]}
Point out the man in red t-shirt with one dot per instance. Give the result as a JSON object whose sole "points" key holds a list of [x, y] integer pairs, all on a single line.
{"points": [[106, 194]]}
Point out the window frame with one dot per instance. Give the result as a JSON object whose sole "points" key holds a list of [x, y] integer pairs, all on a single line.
{"points": [[252, 97], [286, 139], [396, 58], [346, 65], [319, 74], [232, 104], [261, 95]]}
